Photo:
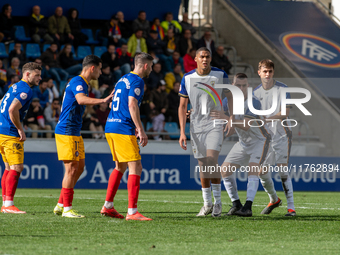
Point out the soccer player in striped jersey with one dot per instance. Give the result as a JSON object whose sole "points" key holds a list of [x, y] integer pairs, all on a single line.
{"points": [[13, 109], [252, 147], [282, 137], [70, 145], [206, 139]]}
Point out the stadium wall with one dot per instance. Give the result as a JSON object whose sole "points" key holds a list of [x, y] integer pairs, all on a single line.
{"points": [[165, 166], [102, 10]]}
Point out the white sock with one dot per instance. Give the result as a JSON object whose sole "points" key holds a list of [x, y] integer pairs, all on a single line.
{"points": [[253, 185], [216, 189], [67, 208], [61, 205], [8, 203], [132, 211], [3, 203], [108, 205], [288, 189], [268, 185], [231, 187], [206, 192]]}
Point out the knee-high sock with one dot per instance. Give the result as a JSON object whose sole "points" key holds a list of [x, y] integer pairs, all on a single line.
{"points": [[288, 189], [112, 187], [11, 185], [67, 198], [216, 189], [133, 192], [3, 186], [61, 200], [253, 185], [206, 193], [268, 185], [231, 187]]}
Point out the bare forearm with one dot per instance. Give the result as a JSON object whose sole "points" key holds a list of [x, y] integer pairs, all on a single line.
{"points": [[15, 118], [90, 101], [135, 115], [182, 118]]}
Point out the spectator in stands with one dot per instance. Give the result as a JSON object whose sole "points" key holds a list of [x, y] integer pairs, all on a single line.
{"points": [[141, 23], [110, 58], [189, 61], [156, 25], [155, 44], [172, 77], [35, 119], [14, 68], [106, 80], [52, 90], [42, 93], [44, 73], [7, 28], [18, 53], [3, 76], [59, 28], [74, 23], [173, 100], [91, 123], [169, 23], [124, 26], [207, 41], [52, 113], [67, 62], [158, 105], [145, 111], [102, 113], [137, 43], [186, 25], [155, 76], [172, 61], [125, 61], [13, 78], [38, 25], [220, 60], [155, 58], [50, 59], [170, 42], [185, 44]]}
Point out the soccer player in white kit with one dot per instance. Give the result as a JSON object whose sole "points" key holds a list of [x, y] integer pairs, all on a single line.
{"points": [[281, 140], [252, 148], [198, 86]]}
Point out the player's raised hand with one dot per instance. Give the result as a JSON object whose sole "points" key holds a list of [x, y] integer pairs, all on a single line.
{"points": [[183, 142], [22, 135], [143, 138], [108, 99]]}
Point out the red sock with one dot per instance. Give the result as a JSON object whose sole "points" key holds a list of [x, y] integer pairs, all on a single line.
{"points": [[60, 201], [11, 184], [3, 184], [133, 190], [67, 196], [113, 185]]}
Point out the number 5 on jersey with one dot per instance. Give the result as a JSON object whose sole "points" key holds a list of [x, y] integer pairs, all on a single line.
{"points": [[116, 99]]}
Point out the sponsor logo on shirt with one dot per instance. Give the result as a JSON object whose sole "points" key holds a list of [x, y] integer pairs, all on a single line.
{"points": [[23, 95], [79, 88], [114, 120]]}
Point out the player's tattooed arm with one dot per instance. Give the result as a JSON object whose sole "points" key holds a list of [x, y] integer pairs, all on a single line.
{"points": [[14, 115]]}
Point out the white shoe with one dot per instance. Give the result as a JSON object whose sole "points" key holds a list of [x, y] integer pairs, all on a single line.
{"points": [[205, 210], [217, 210], [58, 210], [72, 214]]}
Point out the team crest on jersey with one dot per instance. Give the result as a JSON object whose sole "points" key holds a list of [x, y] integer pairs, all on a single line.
{"points": [[79, 88], [137, 91], [23, 95], [212, 83], [77, 153]]}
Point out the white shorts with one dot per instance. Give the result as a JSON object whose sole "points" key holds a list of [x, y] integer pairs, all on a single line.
{"points": [[201, 142], [255, 153], [281, 151]]}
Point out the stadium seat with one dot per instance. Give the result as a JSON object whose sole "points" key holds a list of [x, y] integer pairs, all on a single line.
{"points": [[97, 34], [148, 126], [89, 34], [46, 46], [3, 53], [83, 51], [172, 127], [99, 50], [20, 34], [32, 50], [187, 130], [11, 47]]}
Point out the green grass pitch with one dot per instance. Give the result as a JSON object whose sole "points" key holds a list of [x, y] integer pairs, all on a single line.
{"points": [[174, 229]]}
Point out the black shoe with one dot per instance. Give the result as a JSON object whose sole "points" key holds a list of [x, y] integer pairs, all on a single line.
{"points": [[291, 213], [243, 212], [233, 210]]}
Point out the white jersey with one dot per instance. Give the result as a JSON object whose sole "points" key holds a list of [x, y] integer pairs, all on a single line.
{"points": [[266, 99], [203, 96], [257, 132]]}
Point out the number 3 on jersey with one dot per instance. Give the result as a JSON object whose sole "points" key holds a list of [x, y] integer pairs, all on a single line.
{"points": [[116, 100], [4, 103]]}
